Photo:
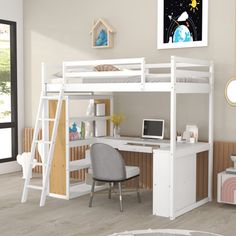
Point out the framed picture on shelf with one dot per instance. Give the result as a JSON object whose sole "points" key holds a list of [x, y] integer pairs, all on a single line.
{"points": [[182, 24]]}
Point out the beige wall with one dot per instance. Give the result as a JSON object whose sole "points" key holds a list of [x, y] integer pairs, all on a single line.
{"points": [[59, 30]]}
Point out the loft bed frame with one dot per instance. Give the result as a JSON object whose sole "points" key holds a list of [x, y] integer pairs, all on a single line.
{"points": [[179, 76]]}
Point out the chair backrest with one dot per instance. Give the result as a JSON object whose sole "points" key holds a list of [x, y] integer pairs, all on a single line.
{"points": [[107, 163]]}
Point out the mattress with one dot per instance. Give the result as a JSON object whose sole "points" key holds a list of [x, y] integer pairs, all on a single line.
{"points": [[147, 80], [133, 79]]}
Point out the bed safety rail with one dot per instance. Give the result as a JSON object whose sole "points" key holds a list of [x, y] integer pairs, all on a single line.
{"points": [[186, 75], [120, 68], [195, 69]]}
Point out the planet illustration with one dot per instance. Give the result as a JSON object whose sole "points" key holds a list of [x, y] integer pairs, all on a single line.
{"points": [[183, 22], [182, 34]]}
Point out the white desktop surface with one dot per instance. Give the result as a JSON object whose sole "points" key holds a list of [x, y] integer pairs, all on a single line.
{"points": [[134, 144], [137, 139], [153, 145]]}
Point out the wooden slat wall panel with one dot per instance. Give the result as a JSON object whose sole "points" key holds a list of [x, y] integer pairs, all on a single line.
{"points": [[144, 161], [202, 175], [78, 153], [222, 153], [28, 138]]}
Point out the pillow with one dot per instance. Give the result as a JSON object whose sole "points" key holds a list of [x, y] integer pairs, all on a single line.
{"points": [[58, 74], [106, 68]]}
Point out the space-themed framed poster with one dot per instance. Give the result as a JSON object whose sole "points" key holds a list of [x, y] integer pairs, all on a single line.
{"points": [[182, 23]]}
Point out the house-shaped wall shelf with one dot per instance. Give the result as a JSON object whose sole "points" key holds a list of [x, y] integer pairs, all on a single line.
{"points": [[102, 34]]}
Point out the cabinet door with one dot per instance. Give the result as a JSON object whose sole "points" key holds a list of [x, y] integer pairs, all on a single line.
{"points": [[185, 182], [161, 184]]}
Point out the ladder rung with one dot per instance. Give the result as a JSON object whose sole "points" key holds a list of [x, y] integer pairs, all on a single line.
{"points": [[46, 119], [45, 142], [35, 187], [38, 164], [50, 97]]}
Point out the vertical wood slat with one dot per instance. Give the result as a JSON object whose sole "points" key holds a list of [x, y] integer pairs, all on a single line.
{"points": [[202, 176], [216, 164], [145, 184], [136, 163], [140, 161], [28, 138]]}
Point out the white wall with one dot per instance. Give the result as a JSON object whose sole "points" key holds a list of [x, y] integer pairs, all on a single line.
{"points": [[59, 30], [12, 10]]}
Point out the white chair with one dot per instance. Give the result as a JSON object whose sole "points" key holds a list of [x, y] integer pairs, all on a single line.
{"points": [[108, 166]]}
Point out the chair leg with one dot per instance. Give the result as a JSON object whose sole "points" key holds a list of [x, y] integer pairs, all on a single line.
{"points": [[121, 198], [137, 186], [92, 193], [109, 196]]}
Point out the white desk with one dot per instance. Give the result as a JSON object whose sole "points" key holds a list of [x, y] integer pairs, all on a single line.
{"points": [[135, 144], [184, 171]]}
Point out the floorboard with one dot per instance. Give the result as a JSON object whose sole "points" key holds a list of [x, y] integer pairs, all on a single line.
{"points": [[70, 218]]}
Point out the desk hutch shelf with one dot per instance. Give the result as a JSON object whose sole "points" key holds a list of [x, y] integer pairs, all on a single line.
{"points": [[65, 163]]}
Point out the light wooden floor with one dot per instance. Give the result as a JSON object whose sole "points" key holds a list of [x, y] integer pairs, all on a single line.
{"points": [[67, 218]]}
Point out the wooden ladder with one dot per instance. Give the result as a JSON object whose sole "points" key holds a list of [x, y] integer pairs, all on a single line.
{"points": [[49, 157]]}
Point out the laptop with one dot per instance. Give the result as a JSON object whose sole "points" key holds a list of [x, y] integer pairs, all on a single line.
{"points": [[153, 128]]}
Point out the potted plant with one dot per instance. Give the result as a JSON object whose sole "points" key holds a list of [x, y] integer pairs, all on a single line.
{"points": [[117, 119]]}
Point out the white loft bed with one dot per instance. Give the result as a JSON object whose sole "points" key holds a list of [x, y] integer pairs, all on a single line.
{"points": [[180, 75]]}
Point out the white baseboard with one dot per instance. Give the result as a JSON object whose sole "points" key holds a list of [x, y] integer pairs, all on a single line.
{"points": [[9, 167]]}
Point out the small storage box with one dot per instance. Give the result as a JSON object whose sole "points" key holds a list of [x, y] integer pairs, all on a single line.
{"points": [[100, 109]]}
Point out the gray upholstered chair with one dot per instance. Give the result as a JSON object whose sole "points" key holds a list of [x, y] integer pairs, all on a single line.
{"points": [[108, 166]]}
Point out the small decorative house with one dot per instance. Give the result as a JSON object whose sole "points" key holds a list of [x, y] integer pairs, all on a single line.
{"points": [[102, 34]]}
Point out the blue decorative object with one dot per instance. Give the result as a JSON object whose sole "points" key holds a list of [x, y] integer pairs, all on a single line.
{"points": [[73, 132], [73, 129], [102, 38]]}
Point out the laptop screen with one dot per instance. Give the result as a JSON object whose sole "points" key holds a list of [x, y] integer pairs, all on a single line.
{"points": [[153, 128]]}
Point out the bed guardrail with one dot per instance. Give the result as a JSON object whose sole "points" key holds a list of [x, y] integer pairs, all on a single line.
{"points": [[193, 69], [139, 74]]}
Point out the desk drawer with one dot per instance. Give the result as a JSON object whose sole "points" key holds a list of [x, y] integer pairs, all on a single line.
{"points": [[135, 148]]}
